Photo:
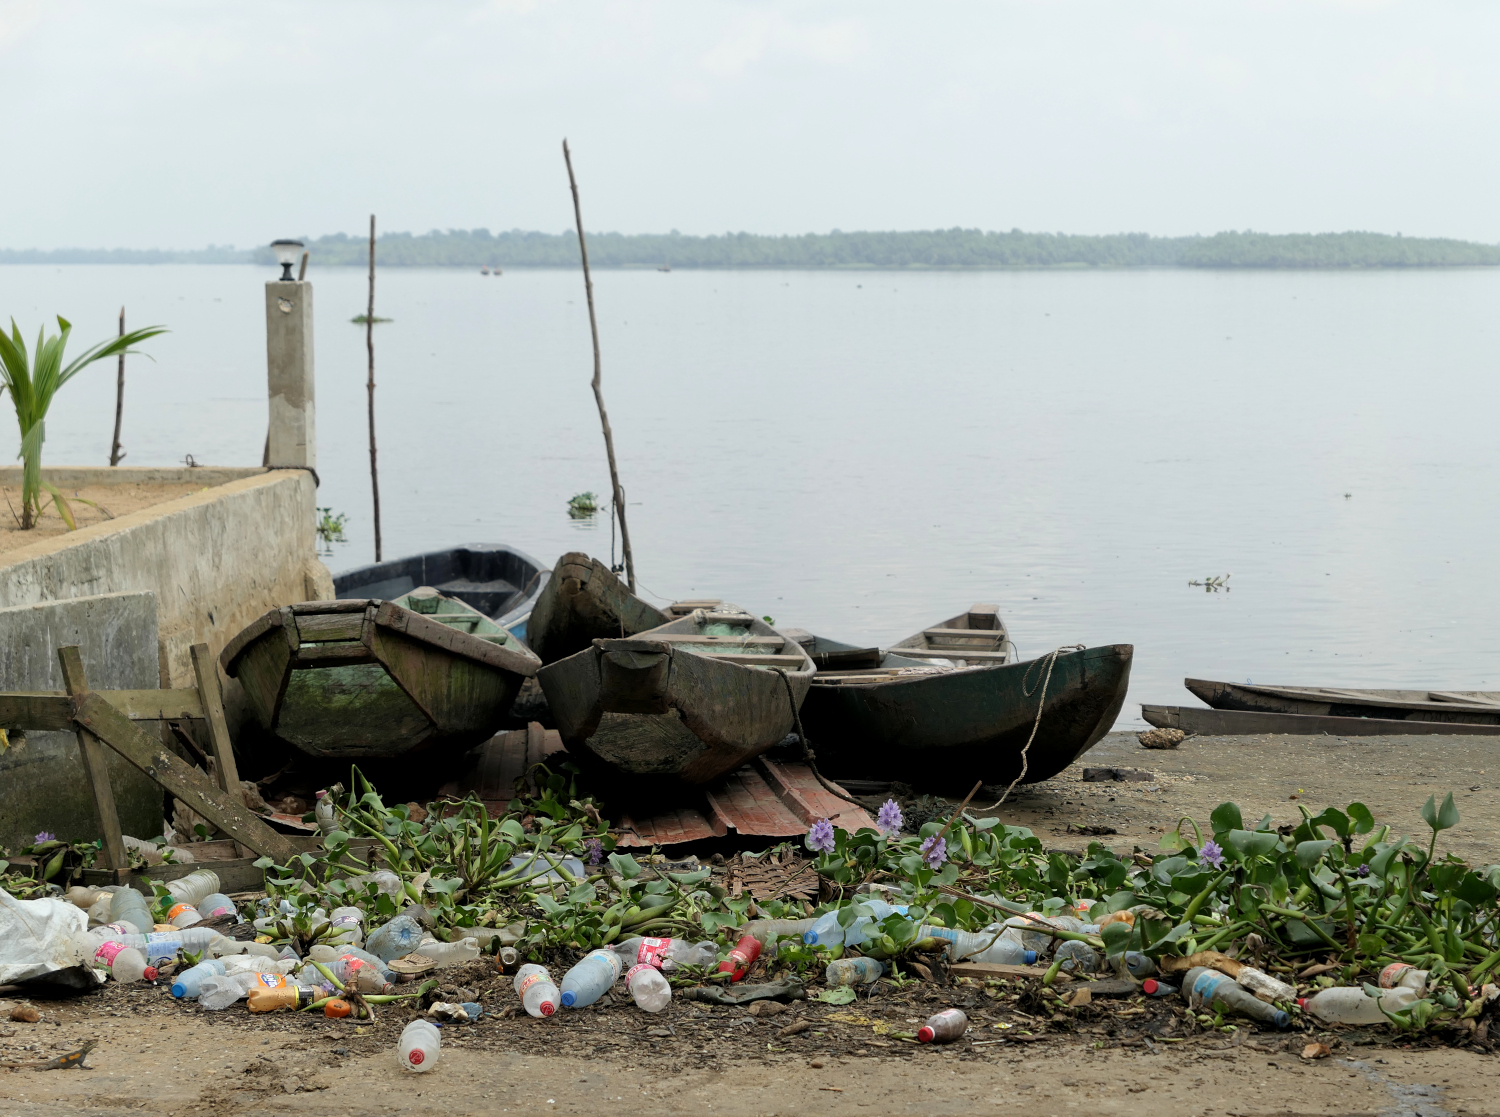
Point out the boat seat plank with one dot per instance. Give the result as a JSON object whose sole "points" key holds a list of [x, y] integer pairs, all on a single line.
{"points": [[753, 659], [347, 605], [345, 654], [935, 634], [692, 638], [984, 615], [949, 653], [320, 627]]}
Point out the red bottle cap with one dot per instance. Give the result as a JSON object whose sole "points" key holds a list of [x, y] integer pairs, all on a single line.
{"points": [[1150, 986], [415, 1057], [548, 1008], [925, 1035], [150, 973]]}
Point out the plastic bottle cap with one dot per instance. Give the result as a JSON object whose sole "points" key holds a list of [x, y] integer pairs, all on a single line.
{"points": [[547, 1008], [568, 998], [415, 1056], [179, 990], [1150, 986], [1030, 957], [150, 973], [925, 1035]]}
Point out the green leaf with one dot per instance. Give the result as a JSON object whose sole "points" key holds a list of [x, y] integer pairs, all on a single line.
{"points": [[1251, 843], [1475, 890], [1226, 817], [1310, 853], [838, 995], [1447, 814], [263, 863], [1116, 936], [1335, 818], [512, 830], [1364, 821], [624, 864], [1371, 946]]}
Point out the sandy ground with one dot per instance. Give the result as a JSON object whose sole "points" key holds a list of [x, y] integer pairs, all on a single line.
{"points": [[112, 501], [159, 1057]]}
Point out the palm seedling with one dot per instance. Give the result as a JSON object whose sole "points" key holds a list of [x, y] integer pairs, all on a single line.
{"points": [[33, 380]]}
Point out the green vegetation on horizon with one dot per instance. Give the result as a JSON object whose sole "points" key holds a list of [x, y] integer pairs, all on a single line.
{"points": [[938, 248]]}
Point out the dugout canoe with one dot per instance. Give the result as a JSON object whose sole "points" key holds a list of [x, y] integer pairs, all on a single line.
{"points": [[687, 701], [1242, 723], [977, 637], [582, 602], [1472, 707], [940, 727], [424, 673], [494, 578]]}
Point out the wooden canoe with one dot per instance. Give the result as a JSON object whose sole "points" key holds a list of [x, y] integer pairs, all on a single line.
{"points": [[1474, 707], [500, 581], [977, 638], [366, 678], [582, 602], [688, 701], [1237, 723], [938, 727]]}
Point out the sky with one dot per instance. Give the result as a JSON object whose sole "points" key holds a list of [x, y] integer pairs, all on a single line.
{"points": [[183, 123]]}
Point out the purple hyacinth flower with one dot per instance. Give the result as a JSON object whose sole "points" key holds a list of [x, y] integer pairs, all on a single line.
{"points": [[820, 836], [596, 850], [889, 819], [935, 851], [45, 836], [1364, 870], [1212, 855]]}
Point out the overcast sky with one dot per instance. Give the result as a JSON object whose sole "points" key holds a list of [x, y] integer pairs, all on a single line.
{"points": [[179, 123]]}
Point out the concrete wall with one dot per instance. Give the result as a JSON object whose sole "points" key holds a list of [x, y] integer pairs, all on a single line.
{"points": [[42, 786], [216, 559]]}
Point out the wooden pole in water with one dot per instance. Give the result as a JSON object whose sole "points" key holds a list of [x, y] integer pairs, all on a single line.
{"points": [[115, 453], [609, 438], [370, 349]]}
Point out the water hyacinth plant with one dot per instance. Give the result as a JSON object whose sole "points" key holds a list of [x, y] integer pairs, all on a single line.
{"points": [[32, 381]]}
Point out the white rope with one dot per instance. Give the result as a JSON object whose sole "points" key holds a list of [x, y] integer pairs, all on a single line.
{"points": [[1051, 661]]}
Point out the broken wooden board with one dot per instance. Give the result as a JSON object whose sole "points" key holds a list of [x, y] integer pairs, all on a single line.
{"points": [[46, 711]]}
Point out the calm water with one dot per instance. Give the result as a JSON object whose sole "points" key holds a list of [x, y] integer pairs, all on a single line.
{"points": [[866, 454]]}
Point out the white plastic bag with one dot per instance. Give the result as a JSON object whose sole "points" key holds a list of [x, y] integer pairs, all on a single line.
{"points": [[37, 936]]}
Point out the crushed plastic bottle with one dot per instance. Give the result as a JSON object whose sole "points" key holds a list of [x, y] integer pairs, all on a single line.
{"points": [[1400, 975], [648, 988], [385, 882], [1264, 986], [396, 939], [1348, 1004], [534, 986], [854, 971], [1076, 957], [129, 906], [944, 1027], [220, 991], [1206, 988], [189, 983], [767, 929], [1003, 951], [363, 975], [329, 954], [741, 957], [419, 1046], [216, 904], [667, 954], [591, 978], [448, 953], [194, 887], [347, 925]]}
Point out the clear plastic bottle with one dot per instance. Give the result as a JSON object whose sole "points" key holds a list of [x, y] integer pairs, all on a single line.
{"points": [[1153, 988], [183, 915], [449, 953], [419, 1046], [827, 931], [327, 954], [396, 939], [648, 988], [1400, 975], [349, 970], [741, 957], [1132, 962], [667, 954], [123, 962], [189, 983], [129, 906], [1349, 1004], [1077, 957], [216, 904], [323, 814], [1004, 952], [963, 944], [254, 963], [854, 971], [1022, 929], [163, 946], [221, 991], [193, 887], [1206, 988], [385, 882], [767, 929], [591, 978], [348, 926], [534, 986], [1264, 986], [944, 1027]]}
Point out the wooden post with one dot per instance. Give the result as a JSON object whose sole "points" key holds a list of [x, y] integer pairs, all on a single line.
{"points": [[370, 350], [95, 769], [609, 438], [115, 454], [211, 698]]}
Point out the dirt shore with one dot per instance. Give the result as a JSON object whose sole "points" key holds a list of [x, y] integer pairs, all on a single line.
{"points": [[157, 1056], [94, 504]]}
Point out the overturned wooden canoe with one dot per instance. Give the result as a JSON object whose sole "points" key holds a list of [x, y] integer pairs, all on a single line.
{"points": [[974, 638], [1473, 707], [582, 602], [941, 727], [689, 701], [349, 679], [1241, 723]]}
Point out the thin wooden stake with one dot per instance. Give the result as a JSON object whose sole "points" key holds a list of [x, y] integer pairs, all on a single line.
{"points": [[609, 438], [370, 349], [115, 453], [95, 766]]}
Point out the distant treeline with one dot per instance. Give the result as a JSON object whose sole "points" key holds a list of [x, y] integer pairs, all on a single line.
{"points": [[943, 248]]}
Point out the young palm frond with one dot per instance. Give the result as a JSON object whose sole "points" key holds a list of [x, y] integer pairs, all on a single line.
{"points": [[33, 381]]}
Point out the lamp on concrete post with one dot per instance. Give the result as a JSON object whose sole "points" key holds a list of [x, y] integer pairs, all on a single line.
{"points": [[292, 441]]}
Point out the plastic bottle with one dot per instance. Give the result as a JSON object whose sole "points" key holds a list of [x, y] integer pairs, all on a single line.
{"points": [[1022, 929], [854, 971], [221, 991], [741, 957], [534, 986], [1264, 986], [826, 930], [396, 939], [964, 944], [1348, 1004], [81, 897], [944, 1027], [667, 954], [129, 906], [123, 962], [1077, 957], [767, 929], [448, 953], [253, 963], [1005, 952], [329, 954], [216, 904], [591, 978], [1206, 988], [1399, 975], [183, 915], [419, 1046], [648, 988], [1132, 962], [363, 975], [163, 946], [1153, 988], [189, 983], [348, 926], [193, 887], [323, 814], [384, 880]]}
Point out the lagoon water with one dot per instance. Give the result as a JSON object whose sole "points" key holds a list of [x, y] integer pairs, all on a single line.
{"points": [[866, 453]]}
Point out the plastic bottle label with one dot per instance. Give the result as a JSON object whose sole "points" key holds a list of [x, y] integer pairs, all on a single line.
{"points": [[653, 951], [178, 909], [108, 951], [1391, 975], [527, 982], [942, 933], [630, 973], [271, 980], [1203, 988]]}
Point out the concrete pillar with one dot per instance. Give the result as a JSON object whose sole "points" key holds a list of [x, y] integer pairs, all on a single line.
{"points": [[289, 365]]}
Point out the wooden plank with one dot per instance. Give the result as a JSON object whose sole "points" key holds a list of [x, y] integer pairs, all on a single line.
{"points": [[962, 634], [95, 767], [245, 637], [1453, 696], [948, 653], [332, 655], [48, 710], [348, 605], [750, 659], [206, 671], [693, 638], [322, 627], [438, 635], [984, 616], [1232, 723], [186, 783]]}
